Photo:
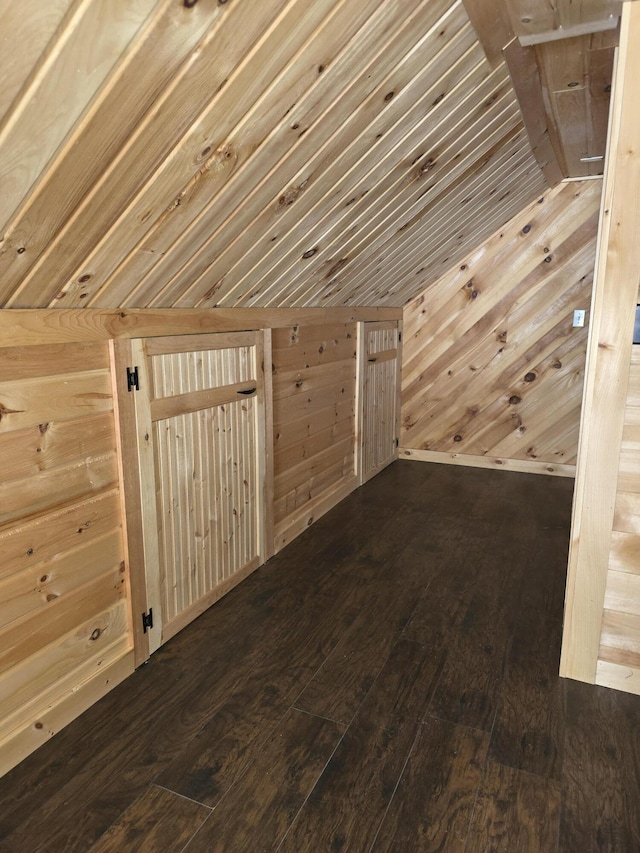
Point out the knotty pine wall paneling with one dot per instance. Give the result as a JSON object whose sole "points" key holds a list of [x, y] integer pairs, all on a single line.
{"points": [[493, 369], [65, 633], [71, 577], [314, 423], [619, 652], [601, 641]]}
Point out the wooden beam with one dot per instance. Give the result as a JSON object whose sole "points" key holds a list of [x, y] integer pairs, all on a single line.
{"points": [[523, 68], [25, 327], [535, 22], [561, 33], [607, 369], [492, 24]]}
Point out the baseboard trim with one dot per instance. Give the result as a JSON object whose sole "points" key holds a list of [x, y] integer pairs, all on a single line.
{"points": [[525, 466]]}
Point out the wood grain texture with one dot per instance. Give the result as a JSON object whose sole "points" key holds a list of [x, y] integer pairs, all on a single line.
{"points": [[356, 784], [607, 371], [314, 391], [441, 777], [159, 820], [492, 367], [203, 490], [26, 328], [378, 397], [225, 734], [514, 811], [273, 788], [619, 653], [538, 23], [257, 154], [64, 581], [598, 811]]}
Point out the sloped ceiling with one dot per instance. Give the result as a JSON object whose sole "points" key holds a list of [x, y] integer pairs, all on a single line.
{"points": [[158, 153]]}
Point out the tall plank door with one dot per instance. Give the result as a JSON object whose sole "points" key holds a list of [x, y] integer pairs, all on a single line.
{"points": [[194, 409], [379, 388]]}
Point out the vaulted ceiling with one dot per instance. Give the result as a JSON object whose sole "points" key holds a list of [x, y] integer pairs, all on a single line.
{"points": [[158, 153]]}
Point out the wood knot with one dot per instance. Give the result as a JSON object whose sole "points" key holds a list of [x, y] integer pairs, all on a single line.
{"points": [[557, 365], [310, 252], [43, 427], [529, 377], [548, 259], [457, 438], [389, 96], [95, 633], [526, 229], [84, 278], [514, 400]]}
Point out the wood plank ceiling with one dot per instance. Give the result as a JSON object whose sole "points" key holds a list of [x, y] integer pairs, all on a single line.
{"points": [[183, 153]]}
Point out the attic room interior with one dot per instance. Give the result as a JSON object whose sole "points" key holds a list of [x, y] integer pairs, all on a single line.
{"points": [[320, 491]]}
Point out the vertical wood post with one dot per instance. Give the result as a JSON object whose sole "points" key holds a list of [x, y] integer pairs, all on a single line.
{"points": [[361, 373], [607, 366], [129, 470], [268, 515]]}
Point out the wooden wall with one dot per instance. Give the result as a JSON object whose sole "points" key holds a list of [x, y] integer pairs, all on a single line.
{"points": [[619, 653], [601, 638], [492, 367], [71, 590], [64, 619], [314, 423]]}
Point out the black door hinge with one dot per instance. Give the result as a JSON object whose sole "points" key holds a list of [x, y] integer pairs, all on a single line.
{"points": [[133, 380], [147, 620], [399, 336], [397, 442]]}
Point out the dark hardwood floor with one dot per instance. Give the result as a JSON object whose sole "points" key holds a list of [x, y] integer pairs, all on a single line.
{"points": [[388, 682]]}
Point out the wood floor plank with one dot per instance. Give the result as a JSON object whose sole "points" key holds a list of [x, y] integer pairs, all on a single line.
{"points": [[468, 690], [515, 811], [257, 811], [346, 676], [213, 759], [529, 728], [483, 553], [350, 799], [113, 776], [432, 806], [158, 822], [601, 771]]}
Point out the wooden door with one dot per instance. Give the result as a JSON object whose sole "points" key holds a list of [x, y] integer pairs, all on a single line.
{"points": [[379, 397], [199, 431]]}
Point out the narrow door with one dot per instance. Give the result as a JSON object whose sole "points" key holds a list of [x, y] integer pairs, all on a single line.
{"points": [[379, 391], [199, 412]]}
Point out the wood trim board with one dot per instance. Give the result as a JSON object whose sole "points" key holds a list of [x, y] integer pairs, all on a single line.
{"points": [[27, 327], [521, 465], [607, 368]]}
